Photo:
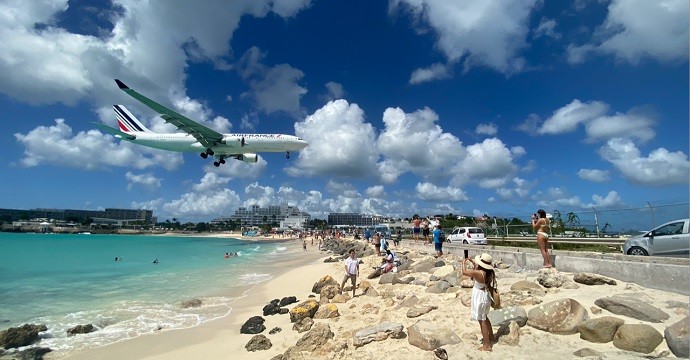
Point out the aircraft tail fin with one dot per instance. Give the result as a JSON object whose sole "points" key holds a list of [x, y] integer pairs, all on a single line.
{"points": [[127, 122]]}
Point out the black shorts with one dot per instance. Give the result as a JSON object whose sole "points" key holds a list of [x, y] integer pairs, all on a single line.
{"points": [[425, 232]]}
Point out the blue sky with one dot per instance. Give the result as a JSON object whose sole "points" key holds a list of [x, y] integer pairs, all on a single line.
{"points": [[409, 106]]}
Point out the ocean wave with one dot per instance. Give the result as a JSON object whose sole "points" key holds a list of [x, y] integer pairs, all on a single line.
{"points": [[253, 279], [127, 320]]}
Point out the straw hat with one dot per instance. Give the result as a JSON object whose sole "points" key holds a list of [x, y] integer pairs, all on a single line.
{"points": [[484, 261]]}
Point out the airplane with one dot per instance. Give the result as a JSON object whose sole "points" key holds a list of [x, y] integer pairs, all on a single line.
{"points": [[196, 137]]}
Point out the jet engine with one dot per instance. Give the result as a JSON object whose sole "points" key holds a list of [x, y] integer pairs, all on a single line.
{"points": [[248, 157], [237, 141]]}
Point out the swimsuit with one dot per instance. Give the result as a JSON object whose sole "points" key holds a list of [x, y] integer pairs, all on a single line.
{"points": [[543, 234]]}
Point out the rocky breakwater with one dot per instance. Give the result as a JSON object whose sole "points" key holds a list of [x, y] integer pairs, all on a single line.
{"points": [[422, 312]]}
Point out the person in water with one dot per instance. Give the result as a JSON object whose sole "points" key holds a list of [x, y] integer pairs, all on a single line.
{"points": [[155, 261], [227, 256]]}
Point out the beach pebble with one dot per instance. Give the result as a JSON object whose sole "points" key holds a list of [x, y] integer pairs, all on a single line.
{"points": [[258, 342]]}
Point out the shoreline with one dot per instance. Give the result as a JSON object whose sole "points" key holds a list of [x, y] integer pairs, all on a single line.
{"points": [[194, 341]]}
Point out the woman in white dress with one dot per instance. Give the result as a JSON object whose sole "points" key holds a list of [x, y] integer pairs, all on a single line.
{"points": [[484, 282]]}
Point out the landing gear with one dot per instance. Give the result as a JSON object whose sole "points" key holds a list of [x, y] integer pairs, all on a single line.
{"points": [[221, 160], [204, 155], [287, 155], [216, 163]]}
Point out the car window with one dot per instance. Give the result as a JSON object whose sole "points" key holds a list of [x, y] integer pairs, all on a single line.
{"points": [[476, 231], [669, 229], [462, 231]]}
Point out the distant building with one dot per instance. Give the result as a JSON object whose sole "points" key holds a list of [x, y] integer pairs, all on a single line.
{"points": [[255, 215], [355, 219], [144, 217], [295, 222]]}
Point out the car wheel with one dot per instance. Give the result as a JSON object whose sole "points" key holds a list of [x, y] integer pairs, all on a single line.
{"points": [[465, 242], [636, 250]]}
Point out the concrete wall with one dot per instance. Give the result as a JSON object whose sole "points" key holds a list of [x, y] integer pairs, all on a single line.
{"points": [[667, 274]]}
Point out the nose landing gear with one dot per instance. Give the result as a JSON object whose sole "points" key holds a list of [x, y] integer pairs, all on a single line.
{"points": [[287, 155]]}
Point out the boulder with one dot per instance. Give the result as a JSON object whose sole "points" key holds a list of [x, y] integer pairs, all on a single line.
{"points": [[677, 338], [429, 336], [275, 330], [512, 336], [439, 287], [329, 291], [271, 308], [287, 300], [402, 280], [327, 311], [192, 303], [592, 279], [253, 325], [418, 311], [303, 325], [33, 353], [558, 317], [528, 286], [640, 338], [81, 329], [550, 279], [442, 272], [599, 330], [258, 342], [20, 336], [341, 298], [326, 280], [508, 314], [388, 278], [379, 332], [423, 265], [304, 309], [631, 307], [317, 336]]}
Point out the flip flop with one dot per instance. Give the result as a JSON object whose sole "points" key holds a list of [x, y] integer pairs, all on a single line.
{"points": [[441, 353]]}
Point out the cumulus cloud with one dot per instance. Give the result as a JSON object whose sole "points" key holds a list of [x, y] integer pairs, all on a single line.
{"points": [[341, 143], [547, 28], [633, 31], [57, 145], [147, 180], [431, 192], [633, 125], [567, 118], [274, 89], [467, 32], [594, 175], [414, 142], [335, 91], [208, 197], [612, 198], [486, 129], [434, 72], [530, 125], [660, 167], [489, 163], [376, 191]]}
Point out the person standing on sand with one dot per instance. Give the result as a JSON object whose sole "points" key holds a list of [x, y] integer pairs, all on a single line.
{"points": [[415, 228], [438, 244], [351, 271], [484, 284], [541, 223], [304, 245], [425, 231], [377, 243]]}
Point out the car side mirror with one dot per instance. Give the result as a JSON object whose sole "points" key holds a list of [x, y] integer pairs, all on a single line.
{"points": [[649, 234]]}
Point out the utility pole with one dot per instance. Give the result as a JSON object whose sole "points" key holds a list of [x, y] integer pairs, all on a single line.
{"points": [[596, 221]]}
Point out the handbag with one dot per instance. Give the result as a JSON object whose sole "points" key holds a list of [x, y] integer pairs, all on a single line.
{"points": [[495, 299]]}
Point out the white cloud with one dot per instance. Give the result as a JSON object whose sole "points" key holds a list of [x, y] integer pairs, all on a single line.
{"points": [[594, 175], [490, 163], [486, 129], [547, 28], [147, 180], [274, 89], [430, 192], [57, 145], [341, 143], [335, 91], [530, 125], [567, 118], [414, 142], [661, 167], [376, 191], [467, 31], [612, 198], [636, 30], [633, 125], [434, 72], [208, 197]]}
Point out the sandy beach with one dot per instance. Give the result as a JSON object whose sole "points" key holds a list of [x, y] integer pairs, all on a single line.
{"points": [[447, 312]]}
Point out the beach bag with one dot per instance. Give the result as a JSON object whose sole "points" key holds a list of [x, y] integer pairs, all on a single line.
{"points": [[495, 296]]}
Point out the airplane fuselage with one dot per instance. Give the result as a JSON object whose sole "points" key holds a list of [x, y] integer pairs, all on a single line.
{"points": [[252, 143]]}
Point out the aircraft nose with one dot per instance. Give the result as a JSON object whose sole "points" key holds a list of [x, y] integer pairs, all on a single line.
{"points": [[302, 144]]}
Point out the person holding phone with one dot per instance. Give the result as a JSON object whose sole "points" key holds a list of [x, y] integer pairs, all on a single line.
{"points": [[541, 223]]}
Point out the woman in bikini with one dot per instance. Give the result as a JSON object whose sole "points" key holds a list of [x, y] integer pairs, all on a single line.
{"points": [[541, 223]]}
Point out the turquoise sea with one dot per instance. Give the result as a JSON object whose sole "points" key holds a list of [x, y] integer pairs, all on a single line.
{"points": [[66, 280]]}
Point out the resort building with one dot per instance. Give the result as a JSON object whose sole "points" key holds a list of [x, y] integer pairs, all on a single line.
{"points": [[255, 215], [354, 219], [120, 216]]}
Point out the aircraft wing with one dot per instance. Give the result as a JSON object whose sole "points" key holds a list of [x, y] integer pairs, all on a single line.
{"points": [[115, 132], [206, 136]]}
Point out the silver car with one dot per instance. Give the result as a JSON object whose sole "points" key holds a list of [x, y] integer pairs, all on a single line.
{"points": [[670, 239]]}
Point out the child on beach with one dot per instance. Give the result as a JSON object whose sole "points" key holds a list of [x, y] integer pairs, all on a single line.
{"points": [[484, 284]]}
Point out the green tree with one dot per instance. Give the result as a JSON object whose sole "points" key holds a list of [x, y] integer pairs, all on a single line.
{"points": [[201, 227], [573, 219], [557, 224], [265, 219]]}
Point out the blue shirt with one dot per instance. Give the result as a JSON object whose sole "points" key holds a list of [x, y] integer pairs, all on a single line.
{"points": [[437, 236]]}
